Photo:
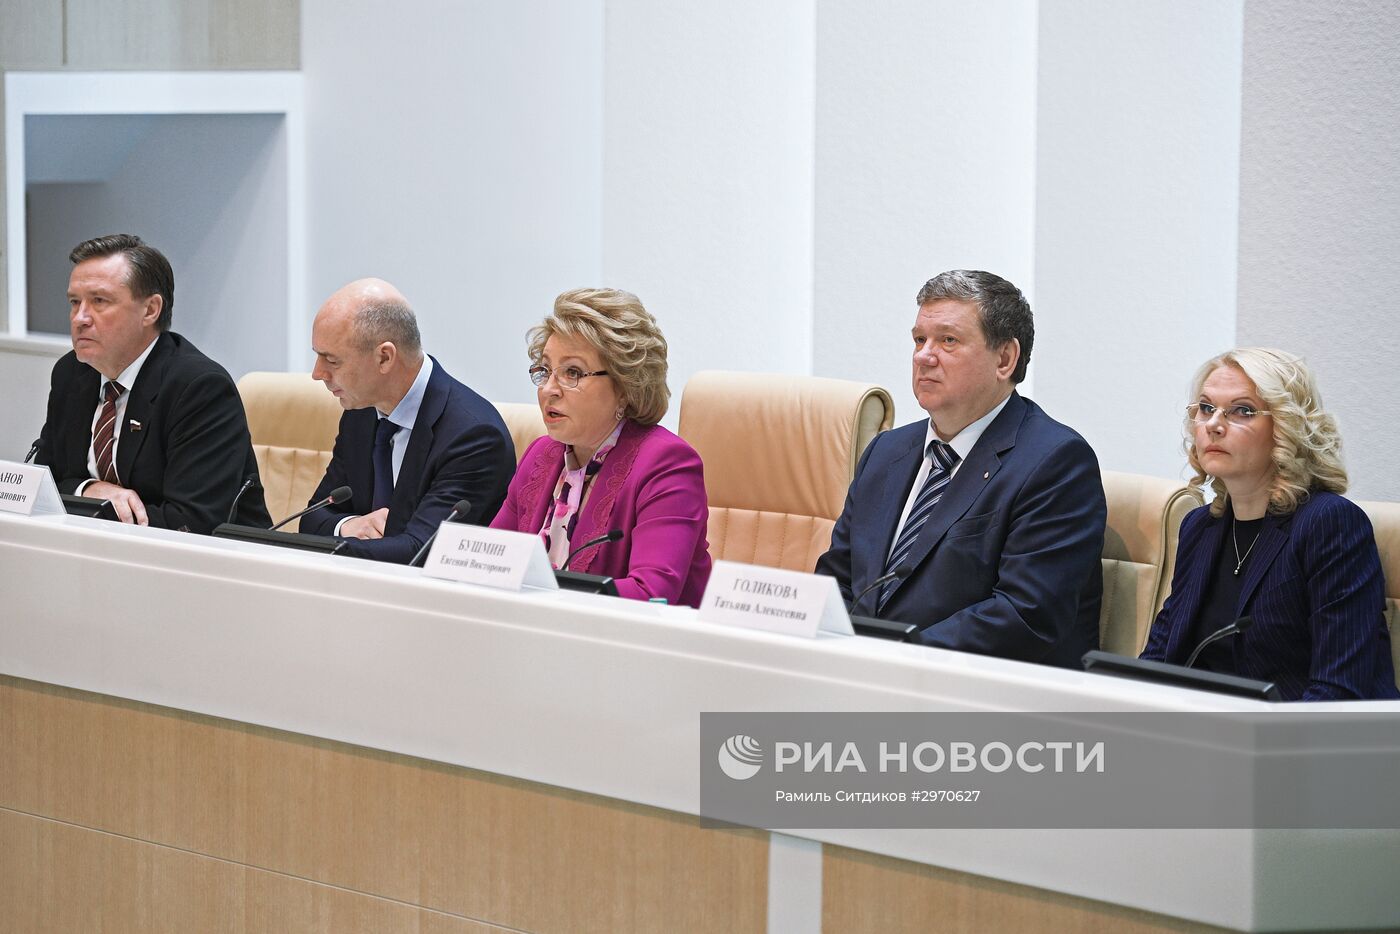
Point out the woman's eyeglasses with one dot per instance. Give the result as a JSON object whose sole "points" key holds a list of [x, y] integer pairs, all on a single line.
{"points": [[1238, 415], [567, 376]]}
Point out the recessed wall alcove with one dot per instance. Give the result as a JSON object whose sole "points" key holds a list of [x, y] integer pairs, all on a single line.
{"points": [[207, 167]]}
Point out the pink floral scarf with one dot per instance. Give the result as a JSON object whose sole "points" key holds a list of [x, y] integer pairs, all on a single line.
{"points": [[568, 495]]}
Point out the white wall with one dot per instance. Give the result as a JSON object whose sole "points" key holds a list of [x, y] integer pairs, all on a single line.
{"points": [[707, 178], [455, 149], [24, 385], [59, 220], [1319, 266], [777, 181], [226, 239], [925, 162], [1138, 188]]}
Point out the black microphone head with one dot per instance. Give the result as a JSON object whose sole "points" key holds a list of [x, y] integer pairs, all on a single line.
{"points": [[340, 494], [462, 508], [1243, 623], [615, 535], [903, 570]]}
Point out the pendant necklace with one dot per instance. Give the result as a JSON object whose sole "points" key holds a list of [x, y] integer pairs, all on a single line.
{"points": [[1241, 560]]}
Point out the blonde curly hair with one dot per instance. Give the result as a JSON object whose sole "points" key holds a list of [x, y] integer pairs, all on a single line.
{"points": [[1307, 452], [626, 337]]}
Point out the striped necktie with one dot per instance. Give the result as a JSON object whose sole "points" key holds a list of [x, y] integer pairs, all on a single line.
{"points": [[105, 438], [944, 459]]}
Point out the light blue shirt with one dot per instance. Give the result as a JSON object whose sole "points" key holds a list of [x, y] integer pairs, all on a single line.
{"points": [[405, 414]]}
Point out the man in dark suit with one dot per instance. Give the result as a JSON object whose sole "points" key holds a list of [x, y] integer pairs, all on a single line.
{"points": [[136, 414], [986, 522], [413, 441]]}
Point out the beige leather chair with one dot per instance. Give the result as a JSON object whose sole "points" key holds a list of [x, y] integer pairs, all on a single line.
{"points": [[525, 424], [1139, 553], [779, 454], [1385, 517], [294, 422]]}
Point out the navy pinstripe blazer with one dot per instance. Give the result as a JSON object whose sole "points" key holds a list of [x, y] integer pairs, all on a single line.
{"points": [[1314, 590]]}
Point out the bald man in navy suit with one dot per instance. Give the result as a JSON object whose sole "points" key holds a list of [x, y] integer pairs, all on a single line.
{"points": [[413, 441], [986, 520]]}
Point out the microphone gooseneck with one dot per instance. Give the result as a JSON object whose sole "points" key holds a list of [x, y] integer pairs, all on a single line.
{"points": [[1224, 632], [614, 535], [233, 509], [900, 573], [461, 509], [339, 495]]}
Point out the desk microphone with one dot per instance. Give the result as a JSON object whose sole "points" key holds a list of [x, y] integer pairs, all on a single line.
{"points": [[1224, 632], [339, 495], [33, 449], [233, 510], [900, 573], [614, 536], [461, 509]]}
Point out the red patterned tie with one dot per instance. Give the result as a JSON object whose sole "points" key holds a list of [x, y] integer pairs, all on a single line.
{"points": [[104, 439]]}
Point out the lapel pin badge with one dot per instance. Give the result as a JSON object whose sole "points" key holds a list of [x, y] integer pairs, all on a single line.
{"points": [[133, 424], [987, 475]]}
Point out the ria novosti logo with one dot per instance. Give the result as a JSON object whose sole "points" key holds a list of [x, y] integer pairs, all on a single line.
{"points": [[740, 757]]}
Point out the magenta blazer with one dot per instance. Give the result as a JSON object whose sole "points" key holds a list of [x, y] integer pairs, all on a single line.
{"points": [[652, 487]]}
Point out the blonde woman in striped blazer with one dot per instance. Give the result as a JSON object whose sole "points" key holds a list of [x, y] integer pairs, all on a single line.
{"points": [[1278, 543]]}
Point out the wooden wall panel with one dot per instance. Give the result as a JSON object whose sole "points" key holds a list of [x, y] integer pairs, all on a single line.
{"points": [[454, 840], [60, 878], [862, 892], [184, 34]]}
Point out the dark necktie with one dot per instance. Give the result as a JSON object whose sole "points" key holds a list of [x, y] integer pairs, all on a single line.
{"points": [[383, 464], [105, 438], [944, 459]]}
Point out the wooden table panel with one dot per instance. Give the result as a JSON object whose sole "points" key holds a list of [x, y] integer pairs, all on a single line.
{"points": [[863, 892], [449, 839], [63, 878]]}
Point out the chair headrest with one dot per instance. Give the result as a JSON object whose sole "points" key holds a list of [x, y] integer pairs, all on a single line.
{"points": [[290, 410], [780, 443], [1138, 506], [1385, 517], [525, 424]]}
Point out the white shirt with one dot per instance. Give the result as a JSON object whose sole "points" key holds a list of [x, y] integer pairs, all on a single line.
{"points": [[126, 379], [963, 443], [405, 415]]}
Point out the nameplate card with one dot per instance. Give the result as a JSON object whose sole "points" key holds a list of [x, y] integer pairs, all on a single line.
{"points": [[775, 600], [29, 490], [491, 557]]}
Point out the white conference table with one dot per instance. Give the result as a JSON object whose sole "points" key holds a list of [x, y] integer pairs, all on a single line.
{"points": [[603, 696]]}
